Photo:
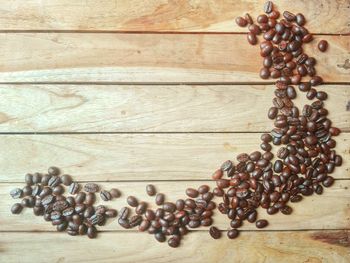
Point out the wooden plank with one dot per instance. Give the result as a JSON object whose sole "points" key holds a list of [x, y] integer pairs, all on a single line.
{"points": [[120, 157], [168, 58], [329, 211], [253, 247], [161, 15], [100, 108]]}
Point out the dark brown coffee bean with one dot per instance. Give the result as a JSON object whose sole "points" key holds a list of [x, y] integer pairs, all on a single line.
{"points": [[328, 181], [214, 232], [236, 223], [240, 21], [254, 29], [248, 18], [105, 195], [160, 237], [66, 179], [287, 210], [111, 213], [262, 19], [132, 201], [289, 16], [91, 188], [80, 198], [322, 45], [54, 181], [16, 208], [124, 213], [193, 193], [90, 199], [223, 183], [48, 200], [54, 171], [36, 178], [273, 111], [300, 19], [28, 178], [141, 208], [169, 207], [232, 234], [115, 193], [135, 220], [92, 232], [316, 80], [252, 38], [261, 223], [160, 199], [151, 190], [16, 193], [264, 73], [203, 189], [268, 7]]}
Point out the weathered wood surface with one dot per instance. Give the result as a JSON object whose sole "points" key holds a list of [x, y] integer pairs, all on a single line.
{"points": [[110, 108], [253, 247], [149, 58], [161, 15], [331, 210], [120, 157]]}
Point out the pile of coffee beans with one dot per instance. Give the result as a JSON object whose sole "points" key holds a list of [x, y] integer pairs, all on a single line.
{"points": [[170, 219], [301, 167], [306, 154], [75, 213]]}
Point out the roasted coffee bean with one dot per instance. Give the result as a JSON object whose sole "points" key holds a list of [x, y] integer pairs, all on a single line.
{"points": [[160, 199], [160, 237], [316, 80], [240, 21], [328, 181], [193, 193], [169, 207], [217, 174], [54, 181], [80, 198], [115, 193], [248, 18], [91, 188], [135, 220], [90, 199], [16, 193], [268, 7], [58, 190], [111, 213], [261, 223], [236, 223], [66, 179], [214, 232], [48, 200], [223, 183], [132, 201], [73, 188], [264, 73], [232, 234], [54, 171], [92, 232], [254, 29], [252, 38], [289, 16], [151, 190], [124, 213], [322, 45], [287, 210], [36, 178], [203, 189], [28, 178], [16, 208], [105, 195], [141, 208]]}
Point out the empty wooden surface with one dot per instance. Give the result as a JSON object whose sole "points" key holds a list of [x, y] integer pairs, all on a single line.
{"points": [[131, 92]]}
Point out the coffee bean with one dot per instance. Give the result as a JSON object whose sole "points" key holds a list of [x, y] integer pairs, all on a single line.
{"points": [[254, 29], [91, 188], [115, 193], [217, 174], [264, 73], [268, 7], [16, 193], [322, 45], [92, 232], [261, 223], [160, 237], [141, 208], [160, 199], [45, 179], [240, 21], [106, 196], [58, 190], [193, 193], [252, 38], [135, 220], [169, 207], [232, 234], [16, 208], [90, 199], [54, 181], [111, 213], [328, 181], [300, 19], [54, 171], [80, 198], [173, 242], [36, 178], [214, 232]]}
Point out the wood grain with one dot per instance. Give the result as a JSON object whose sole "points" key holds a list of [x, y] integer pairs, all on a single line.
{"points": [[329, 211], [160, 15], [252, 247], [101, 108], [120, 157], [149, 58]]}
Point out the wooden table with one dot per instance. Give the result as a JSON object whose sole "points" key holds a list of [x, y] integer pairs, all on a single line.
{"points": [[128, 92]]}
